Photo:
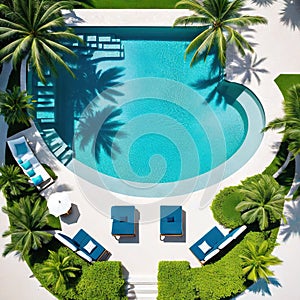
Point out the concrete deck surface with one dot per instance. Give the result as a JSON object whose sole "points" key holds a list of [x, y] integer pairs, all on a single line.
{"points": [[279, 44]]}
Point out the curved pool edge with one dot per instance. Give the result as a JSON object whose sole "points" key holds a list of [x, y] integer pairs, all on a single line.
{"points": [[215, 176]]}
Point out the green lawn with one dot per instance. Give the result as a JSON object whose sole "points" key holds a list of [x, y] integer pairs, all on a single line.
{"points": [[135, 3], [285, 81]]}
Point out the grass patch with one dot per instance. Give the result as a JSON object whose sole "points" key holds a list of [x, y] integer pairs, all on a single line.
{"points": [[223, 207], [285, 81], [134, 3]]}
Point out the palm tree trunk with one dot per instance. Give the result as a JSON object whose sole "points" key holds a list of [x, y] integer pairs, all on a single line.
{"points": [[4, 77], [23, 74], [296, 181], [283, 167]]}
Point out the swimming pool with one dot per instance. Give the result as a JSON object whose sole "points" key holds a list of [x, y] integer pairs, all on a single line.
{"points": [[138, 113]]}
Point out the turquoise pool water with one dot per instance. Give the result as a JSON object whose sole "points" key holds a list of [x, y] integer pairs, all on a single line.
{"points": [[138, 112]]}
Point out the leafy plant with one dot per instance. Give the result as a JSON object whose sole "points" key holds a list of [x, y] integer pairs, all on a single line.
{"points": [[58, 269], [12, 181], [27, 221], [16, 106], [263, 201], [33, 30], [257, 260], [222, 18]]}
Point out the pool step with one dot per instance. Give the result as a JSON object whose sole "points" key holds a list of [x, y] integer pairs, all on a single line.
{"points": [[142, 288], [57, 146], [102, 43]]}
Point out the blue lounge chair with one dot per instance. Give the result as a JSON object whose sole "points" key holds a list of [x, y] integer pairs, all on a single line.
{"points": [[170, 221], [83, 245], [213, 242], [123, 221]]}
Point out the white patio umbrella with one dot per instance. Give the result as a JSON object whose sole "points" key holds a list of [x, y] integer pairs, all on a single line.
{"points": [[59, 203]]}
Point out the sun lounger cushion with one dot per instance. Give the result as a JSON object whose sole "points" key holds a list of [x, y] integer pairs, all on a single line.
{"points": [[27, 160], [31, 173], [204, 247], [21, 149], [65, 240], [84, 256], [216, 240], [171, 220], [26, 165], [89, 247], [37, 180], [82, 239], [123, 220]]}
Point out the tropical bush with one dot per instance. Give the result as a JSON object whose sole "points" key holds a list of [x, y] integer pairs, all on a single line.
{"points": [[257, 260], [102, 281], [223, 207], [27, 226], [38, 261], [16, 106], [175, 281], [12, 181], [59, 270], [263, 201]]}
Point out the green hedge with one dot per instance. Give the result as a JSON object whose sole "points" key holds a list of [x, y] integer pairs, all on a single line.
{"points": [[223, 207], [220, 280], [102, 281], [175, 281]]}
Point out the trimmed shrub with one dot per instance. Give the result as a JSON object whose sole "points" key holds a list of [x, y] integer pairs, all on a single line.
{"points": [[102, 281], [175, 281], [223, 207], [225, 277]]}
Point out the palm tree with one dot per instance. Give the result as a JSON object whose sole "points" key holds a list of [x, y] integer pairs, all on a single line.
{"points": [[263, 201], [34, 31], [12, 181], [27, 220], [100, 127], [257, 260], [221, 17], [290, 124], [58, 269], [16, 106]]}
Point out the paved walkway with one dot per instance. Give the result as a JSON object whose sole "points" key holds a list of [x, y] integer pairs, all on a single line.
{"points": [[279, 54]]}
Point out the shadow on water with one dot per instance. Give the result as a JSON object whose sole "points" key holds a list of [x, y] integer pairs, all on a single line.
{"points": [[213, 94], [100, 127], [91, 82], [290, 14], [292, 214]]}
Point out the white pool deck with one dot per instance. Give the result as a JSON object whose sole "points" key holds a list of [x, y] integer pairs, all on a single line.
{"points": [[279, 44]]}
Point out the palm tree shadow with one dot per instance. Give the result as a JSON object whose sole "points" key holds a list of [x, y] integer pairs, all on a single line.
{"points": [[246, 68], [263, 2], [213, 95], [262, 287], [102, 128], [292, 214], [92, 83], [290, 14]]}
